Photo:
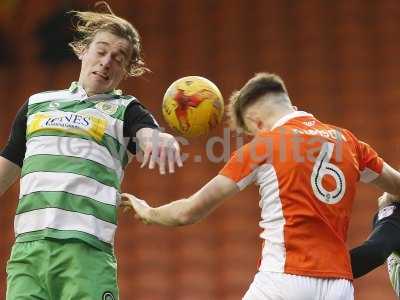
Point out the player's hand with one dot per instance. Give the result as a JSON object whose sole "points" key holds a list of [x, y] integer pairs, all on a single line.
{"points": [[159, 148], [387, 199], [141, 208]]}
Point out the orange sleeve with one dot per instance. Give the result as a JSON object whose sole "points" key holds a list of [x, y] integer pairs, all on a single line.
{"points": [[243, 164], [371, 164]]}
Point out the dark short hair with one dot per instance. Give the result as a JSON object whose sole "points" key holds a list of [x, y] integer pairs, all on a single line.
{"points": [[261, 84]]}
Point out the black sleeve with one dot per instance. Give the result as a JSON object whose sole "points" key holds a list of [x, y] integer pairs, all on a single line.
{"points": [[384, 239], [16, 147], [137, 117]]}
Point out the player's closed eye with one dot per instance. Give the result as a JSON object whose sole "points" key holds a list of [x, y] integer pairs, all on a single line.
{"points": [[119, 59]]}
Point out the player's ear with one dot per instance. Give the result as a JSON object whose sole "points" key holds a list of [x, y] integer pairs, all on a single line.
{"points": [[126, 75], [260, 124], [82, 54]]}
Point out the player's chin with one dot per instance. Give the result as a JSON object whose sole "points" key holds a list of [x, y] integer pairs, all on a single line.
{"points": [[101, 86]]}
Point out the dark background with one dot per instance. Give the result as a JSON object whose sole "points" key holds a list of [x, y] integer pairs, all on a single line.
{"points": [[339, 60]]}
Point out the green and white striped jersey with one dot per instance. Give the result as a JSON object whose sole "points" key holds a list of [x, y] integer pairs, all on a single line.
{"points": [[73, 167], [393, 264]]}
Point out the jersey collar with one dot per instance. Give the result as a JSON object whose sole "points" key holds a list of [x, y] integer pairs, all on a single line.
{"points": [[288, 117], [75, 87]]}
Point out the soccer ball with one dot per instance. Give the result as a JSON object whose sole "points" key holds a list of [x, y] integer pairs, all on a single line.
{"points": [[193, 105]]}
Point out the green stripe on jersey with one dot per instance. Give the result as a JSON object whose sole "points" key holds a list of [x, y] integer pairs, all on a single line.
{"points": [[67, 106], [113, 146], [69, 202], [64, 234], [68, 164], [73, 107]]}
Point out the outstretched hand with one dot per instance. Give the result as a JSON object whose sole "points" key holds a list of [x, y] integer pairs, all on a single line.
{"points": [[141, 208], [159, 148]]}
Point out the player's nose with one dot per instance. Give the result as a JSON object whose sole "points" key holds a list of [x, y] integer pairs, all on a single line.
{"points": [[106, 61]]}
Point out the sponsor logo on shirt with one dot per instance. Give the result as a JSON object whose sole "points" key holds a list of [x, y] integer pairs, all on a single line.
{"points": [[309, 123], [75, 123]]}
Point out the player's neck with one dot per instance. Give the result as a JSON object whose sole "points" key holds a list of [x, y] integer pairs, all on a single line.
{"points": [[276, 114], [89, 91]]}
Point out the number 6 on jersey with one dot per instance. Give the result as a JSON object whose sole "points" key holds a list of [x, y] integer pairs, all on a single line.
{"points": [[323, 167]]}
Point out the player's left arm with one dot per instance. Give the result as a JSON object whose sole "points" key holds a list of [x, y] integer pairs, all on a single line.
{"points": [[184, 211], [156, 147], [383, 239], [388, 180], [375, 170], [159, 148]]}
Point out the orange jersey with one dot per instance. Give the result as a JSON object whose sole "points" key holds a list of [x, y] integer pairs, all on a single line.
{"points": [[306, 172]]}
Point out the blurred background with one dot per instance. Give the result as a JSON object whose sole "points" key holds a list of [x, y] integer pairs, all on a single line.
{"points": [[339, 60]]}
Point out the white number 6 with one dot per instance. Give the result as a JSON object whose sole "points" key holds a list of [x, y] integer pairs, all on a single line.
{"points": [[323, 167]]}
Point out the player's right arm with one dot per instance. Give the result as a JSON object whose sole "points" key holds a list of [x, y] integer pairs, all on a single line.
{"points": [[12, 155], [184, 211], [9, 172], [234, 176]]}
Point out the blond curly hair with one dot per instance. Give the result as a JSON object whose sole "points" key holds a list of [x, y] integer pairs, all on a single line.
{"points": [[88, 23]]}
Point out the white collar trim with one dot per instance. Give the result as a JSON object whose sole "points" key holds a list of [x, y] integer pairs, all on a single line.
{"points": [[288, 117]]}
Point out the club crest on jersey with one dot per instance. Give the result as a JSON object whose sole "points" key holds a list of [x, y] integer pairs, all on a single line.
{"points": [[54, 105], [386, 212], [108, 296], [107, 108]]}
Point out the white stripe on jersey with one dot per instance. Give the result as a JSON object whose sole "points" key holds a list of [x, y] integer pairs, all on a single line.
{"points": [[368, 175], [64, 220], [272, 220], [246, 181], [59, 96], [70, 183], [74, 147]]}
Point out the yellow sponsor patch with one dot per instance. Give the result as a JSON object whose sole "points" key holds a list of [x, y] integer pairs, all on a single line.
{"points": [[80, 124]]}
